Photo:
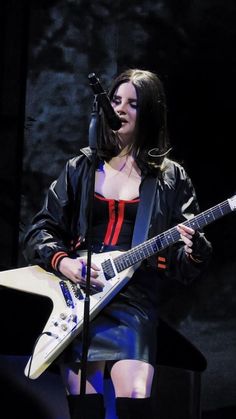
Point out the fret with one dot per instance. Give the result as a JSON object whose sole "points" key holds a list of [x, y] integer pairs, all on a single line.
{"points": [[134, 256], [212, 215], [142, 252], [206, 218], [119, 264], [149, 248], [172, 235], [195, 223], [154, 247], [126, 261]]}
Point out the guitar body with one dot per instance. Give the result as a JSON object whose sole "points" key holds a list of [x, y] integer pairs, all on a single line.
{"points": [[66, 318]]}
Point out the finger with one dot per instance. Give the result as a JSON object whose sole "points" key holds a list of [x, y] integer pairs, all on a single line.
{"points": [[185, 229], [77, 279], [184, 233], [187, 241], [187, 249], [96, 283], [84, 271], [93, 276], [95, 267], [95, 280]]}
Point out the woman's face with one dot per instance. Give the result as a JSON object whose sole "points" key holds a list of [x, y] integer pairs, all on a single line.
{"points": [[124, 102]]}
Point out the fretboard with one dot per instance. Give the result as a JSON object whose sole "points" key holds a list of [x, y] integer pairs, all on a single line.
{"points": [[171, 236]]}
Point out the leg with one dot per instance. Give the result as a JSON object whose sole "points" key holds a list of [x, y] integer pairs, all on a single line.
{"points": [[132, 378], [90, 405], [71, 377], [132, 382]]}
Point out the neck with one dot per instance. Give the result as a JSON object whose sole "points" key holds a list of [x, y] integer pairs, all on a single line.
{"points": [[125, 152]]}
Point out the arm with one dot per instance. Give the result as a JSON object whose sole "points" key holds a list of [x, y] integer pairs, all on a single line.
{"points": [[190, 257], [48, 241], [48, 237]]}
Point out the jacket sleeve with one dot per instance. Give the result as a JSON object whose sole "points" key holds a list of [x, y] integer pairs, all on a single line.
{"points": [[48, 237], [185, 207]]}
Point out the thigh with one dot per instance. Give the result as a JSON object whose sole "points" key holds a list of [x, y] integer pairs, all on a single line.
{"points": [[71, 376], [132, 378]]}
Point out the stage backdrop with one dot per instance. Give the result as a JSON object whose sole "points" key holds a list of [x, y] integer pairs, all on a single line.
{"points": [[191, 45]]}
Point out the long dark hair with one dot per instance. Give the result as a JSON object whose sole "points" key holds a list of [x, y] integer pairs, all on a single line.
{"points": [[152, 143]]}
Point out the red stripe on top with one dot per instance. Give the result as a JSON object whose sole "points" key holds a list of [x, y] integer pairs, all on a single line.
{"points": [[111, 204], [121, 210], [113, 224]]}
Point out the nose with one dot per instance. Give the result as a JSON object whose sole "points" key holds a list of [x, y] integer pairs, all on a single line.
{"points": [[120, 108]]}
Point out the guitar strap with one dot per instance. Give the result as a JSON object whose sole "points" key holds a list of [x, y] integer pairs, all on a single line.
{"points": [[144, 213]]}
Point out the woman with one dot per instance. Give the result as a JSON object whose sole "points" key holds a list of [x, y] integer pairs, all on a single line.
{"points": [[122, 336]]}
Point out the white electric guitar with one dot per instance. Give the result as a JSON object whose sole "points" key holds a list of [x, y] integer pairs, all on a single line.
{"points": [[66, 318]]}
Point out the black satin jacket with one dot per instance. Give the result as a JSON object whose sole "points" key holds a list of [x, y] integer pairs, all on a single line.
{"points": [[62, 221]]}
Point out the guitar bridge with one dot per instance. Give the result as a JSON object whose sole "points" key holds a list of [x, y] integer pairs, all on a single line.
{"points": [[66, 294], [77, 292]]}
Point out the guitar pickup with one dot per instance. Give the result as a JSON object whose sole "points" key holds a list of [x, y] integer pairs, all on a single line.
{"points": [[108, 270]]}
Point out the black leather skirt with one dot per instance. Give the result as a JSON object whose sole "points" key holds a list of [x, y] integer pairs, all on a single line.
{"points": [[124, 329]]}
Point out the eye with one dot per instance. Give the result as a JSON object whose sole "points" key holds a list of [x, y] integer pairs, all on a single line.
{"points": [[134, 104], [115, 100]]}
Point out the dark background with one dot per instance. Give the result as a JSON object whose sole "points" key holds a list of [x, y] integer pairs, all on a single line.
{"points": [[48, 48]]}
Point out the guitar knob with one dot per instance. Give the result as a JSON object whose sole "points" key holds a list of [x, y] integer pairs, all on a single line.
{"points": [[73, 318], [64, 327], [63, 316]]}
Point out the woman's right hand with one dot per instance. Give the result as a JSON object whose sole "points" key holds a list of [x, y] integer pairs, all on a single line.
{"points": [[76, 271]]}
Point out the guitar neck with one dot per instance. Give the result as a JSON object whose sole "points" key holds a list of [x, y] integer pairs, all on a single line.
{"points": [[171, 236]]}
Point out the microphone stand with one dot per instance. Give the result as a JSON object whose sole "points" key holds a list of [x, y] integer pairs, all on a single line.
{"points": [[94, 133]]}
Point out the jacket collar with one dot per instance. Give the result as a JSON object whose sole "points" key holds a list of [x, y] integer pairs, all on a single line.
{"points": [[87, 152]]}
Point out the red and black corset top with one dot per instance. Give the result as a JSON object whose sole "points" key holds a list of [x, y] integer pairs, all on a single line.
{"points": [[113, 221]]}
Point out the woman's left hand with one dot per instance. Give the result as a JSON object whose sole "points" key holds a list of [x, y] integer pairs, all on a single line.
{"points": [[196, 244], [186, 234]]}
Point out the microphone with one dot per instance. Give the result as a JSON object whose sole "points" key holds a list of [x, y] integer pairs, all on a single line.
{"points": [[111, 115]]}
